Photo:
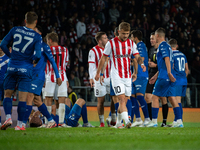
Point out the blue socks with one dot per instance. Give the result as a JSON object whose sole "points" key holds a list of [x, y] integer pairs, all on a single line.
{"points": [[44, 111], [27, 114], [84, 113], [0, 119], [133, 110], [177, 113], [155, 113], [136, 107], [116, 107], [180, 105], [143, 104], [129, 107], [7, 105], [21, 110], [67, 110], [109, 114]]}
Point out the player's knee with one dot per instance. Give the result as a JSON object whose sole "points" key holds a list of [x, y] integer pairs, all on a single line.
{"points": [[68, 102], [80, 102]]}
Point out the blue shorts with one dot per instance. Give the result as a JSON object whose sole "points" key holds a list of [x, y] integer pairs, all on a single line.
{"points": [[181, 90], [139, 86], [164, 88], [1, 91], [74, 115], [36, 86], [112, 93], [20, 77]]}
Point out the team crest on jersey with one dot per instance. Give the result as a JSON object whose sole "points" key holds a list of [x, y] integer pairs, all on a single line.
{"points": [[73, 115]]}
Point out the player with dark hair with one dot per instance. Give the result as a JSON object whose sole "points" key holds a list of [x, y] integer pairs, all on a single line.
{"points": [[139, 86], [37, 83], [26, 52], [165, 80], [120, 50], [181, 71], [93, 59]]}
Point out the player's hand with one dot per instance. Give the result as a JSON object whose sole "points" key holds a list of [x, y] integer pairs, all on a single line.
{"points": [[91, 83], [34, 64], [152, 64], [134, 77], [143, 68], [171, 77], [153, 79], [101, 80], [97, 76], [58, 81], [67, 84]]}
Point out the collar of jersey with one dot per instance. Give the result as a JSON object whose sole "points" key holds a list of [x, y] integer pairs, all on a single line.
{"points": [[119, 39], [27, 28], [2, 56], [100, 47]]}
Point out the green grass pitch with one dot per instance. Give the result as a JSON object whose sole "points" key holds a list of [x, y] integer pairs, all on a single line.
{"points": [[102, 138]]}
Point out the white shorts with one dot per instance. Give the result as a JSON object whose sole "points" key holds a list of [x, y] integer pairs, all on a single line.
{"points": [[122, 86], [102, 90], [53, 90]]}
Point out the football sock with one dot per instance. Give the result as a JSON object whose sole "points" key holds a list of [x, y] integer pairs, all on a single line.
{"points": [[27, 113], [119, 118], [0, 120], [177, 113], [149, 110], [133, 111], [143, 105], [8, 116], [49, 108], [7, 105], [136, 108], [165, 112], [67, 111], [125, 116], [180, 105], [84, 113], [116, 107], [155, 114], [101, 118], [21, 110], [113, 117], [61, 112], [129, 107], [44, 111], [57, 111]]}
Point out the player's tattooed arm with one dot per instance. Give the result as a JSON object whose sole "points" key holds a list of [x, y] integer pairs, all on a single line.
{"points": [[100, 66], [140, 61], [135, 65], [154, 78], [187, 71], [168, 66]]}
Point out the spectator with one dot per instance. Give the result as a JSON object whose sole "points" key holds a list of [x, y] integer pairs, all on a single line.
{"points": [[100, 15], [73, 36], [74, 81], [63, 38], [85, 79], [93, 27], [81, 72], [81, 27], [113, 13]]}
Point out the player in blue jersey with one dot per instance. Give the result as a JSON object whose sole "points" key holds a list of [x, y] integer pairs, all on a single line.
{"points": [[165, 80], [139, 86], [181, 71], [37, 83], [4, 59], [26, 52]]}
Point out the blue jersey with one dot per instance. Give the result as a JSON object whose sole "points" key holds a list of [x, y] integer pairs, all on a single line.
{"points": [[143, 53], [164, 50], [3, 66], [26, 47], [39, 69], [179, 66]]}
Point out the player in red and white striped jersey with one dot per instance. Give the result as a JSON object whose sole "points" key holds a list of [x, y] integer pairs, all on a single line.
{"points": [[93, 60], [120, 50], [60, 55]]}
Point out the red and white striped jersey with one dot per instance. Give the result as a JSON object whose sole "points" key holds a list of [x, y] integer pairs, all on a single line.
{"points": [[93, 29], [94, 57], [120, 56], [61, 58]]}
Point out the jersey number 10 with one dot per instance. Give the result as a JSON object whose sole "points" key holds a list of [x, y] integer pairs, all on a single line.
{"points": [[181, 63]]}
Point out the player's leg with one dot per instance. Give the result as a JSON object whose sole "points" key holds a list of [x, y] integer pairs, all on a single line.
{"points": [[29, 101], [164, 111], [0, 114], [1, 99], [75, 113], [129, 108], [155, 110], [100, 109], [148, 98], [43, 109]]}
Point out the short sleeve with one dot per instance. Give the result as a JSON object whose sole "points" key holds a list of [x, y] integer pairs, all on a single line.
{"points": [[108, 49], [185, 59], [134, 49], [140, 50], [91, 57], [164, 50]]}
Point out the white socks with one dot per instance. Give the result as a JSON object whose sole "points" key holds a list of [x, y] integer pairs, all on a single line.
{"points": [[179, 121], [61, 113], [154, 121], [57, 112], [101, 118], [19, 123], [138, 119], [113, 117], [119, 118], [125, 116], [8, 116]]}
